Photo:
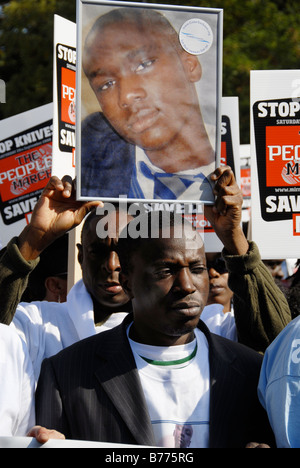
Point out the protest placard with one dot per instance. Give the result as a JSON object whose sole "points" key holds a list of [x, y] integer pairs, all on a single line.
{"points": [[148, 112], [230, 156], [25, 166], [64, 104], [230, 135], [275, 158]]}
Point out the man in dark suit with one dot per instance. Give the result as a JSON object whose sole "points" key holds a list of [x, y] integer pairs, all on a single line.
{"points": [[161, 367]]}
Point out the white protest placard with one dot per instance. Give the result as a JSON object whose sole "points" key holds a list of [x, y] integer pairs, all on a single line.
{"points": [[64, 88], [64, 111], [275, 158], [230, 156], [230, 135], [25, 166], [63, 163]]}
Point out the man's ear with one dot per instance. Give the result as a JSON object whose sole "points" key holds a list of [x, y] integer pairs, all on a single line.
{"points": [[192, 66], [80, 253], [55, 288], [126, 284]]}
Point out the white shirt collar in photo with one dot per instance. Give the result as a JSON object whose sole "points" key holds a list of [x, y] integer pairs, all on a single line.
{"points": [[191, 193]]}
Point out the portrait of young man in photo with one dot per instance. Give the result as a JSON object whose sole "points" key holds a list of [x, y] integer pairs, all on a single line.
{"points": [[148, 140]]}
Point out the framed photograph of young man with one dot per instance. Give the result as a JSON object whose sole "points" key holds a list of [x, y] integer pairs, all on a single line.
{"points": [[148, 105]]}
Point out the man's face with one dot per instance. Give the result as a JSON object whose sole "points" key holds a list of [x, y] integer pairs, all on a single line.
{"points": [[183, 434], [101, 268], [141, 83], [169, 285], [219, 292]]}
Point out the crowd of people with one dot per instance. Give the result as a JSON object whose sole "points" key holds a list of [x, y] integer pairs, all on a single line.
{"points": [[159, 344]]}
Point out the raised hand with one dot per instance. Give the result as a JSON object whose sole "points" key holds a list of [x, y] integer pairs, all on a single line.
{"points": [[226, 214], [56, 213]]}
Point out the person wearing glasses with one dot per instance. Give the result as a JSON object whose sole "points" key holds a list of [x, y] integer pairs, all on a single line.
{"points": [[220, 315], [219, 291]]}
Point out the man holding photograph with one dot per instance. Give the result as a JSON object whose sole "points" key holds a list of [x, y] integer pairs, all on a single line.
{"points": [[150, 140]]}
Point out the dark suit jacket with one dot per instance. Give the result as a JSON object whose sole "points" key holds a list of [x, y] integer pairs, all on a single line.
{"points": [[107, 160], [92, 391]]}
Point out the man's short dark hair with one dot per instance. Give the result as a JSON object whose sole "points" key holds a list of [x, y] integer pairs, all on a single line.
{"points": [[152, 224], [95, 215], [141, 17]]}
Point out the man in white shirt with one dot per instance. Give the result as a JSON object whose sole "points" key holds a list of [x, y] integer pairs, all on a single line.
{"points": [[95, 303], [17, 387]]}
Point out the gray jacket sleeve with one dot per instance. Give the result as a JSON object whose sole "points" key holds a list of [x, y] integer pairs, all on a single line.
{"points": [[260, 308]]}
